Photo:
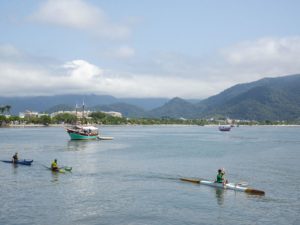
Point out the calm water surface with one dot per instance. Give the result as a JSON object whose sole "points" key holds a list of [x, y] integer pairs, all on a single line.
{"points": [[134, 178]]}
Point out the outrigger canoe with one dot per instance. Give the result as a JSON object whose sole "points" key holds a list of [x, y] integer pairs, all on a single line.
{"points": [[21, 162], [231, 186]]}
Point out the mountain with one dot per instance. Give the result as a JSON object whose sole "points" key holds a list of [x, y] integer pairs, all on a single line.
{"points": [[60, 107], [176, 108], [265, 99], [45, 103], [127, 110], [145, 103]]}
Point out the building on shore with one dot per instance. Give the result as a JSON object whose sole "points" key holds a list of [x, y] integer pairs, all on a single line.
{"points": [[28, 114], [86, 113]]}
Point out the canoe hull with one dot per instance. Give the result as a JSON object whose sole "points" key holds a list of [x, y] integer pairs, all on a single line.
{"points": [[21, 162], [231, 186]]}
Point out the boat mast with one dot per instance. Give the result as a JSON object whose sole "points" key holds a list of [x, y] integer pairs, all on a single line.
{"points": [[76, 122], [83, 119]]}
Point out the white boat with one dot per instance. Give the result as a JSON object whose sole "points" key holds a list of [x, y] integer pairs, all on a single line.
{"points": [[231, 186], [224, 127]]}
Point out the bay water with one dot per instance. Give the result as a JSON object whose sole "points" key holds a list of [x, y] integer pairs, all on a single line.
{"points": [[134, 179]]}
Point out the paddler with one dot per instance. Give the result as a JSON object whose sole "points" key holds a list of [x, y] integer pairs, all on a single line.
{"points": [[54, 166], [220, 176], [15, 157]]}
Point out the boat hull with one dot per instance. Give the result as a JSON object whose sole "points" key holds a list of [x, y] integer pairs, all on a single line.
{"points": [[76, 136], [21, 162], [230, 186], [224, 128]]}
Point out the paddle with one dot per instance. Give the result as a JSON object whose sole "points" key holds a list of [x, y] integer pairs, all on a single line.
{"points": [[197, 181]]}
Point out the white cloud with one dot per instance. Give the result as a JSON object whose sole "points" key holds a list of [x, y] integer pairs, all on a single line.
{"points": [[171, 76], [78, 14], [9, 50], [25, 78], [264, 57], [123, 52]]}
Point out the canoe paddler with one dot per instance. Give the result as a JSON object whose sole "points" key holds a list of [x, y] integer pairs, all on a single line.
{"points": [[15, 157], [54, 166], [220, 176]]}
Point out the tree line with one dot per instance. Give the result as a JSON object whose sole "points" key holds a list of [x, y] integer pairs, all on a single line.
{"points": [[103, 118]]}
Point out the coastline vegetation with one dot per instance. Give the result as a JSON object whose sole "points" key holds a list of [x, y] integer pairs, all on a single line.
{"points": [[105, 119]]}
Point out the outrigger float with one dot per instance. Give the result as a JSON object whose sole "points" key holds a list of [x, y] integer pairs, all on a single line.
{"points": [[231, 186]]}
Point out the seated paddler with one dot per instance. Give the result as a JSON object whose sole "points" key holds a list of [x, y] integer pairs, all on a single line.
{"points": [[15, 158], [54, 166], [220, 176]]}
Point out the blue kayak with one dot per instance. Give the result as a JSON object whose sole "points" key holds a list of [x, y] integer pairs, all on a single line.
{"points": [[22, 162]]}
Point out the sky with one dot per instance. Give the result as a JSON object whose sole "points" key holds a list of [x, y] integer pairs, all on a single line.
{"points": [[142, 48]]}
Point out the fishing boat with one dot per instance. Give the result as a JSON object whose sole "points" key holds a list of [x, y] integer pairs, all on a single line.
{"points": [[21, 162], [78, 132], [230, 186], [224, 127], [81, 132]]}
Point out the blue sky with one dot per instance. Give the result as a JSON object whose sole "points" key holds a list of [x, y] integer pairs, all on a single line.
{"points": [[189, 49]]}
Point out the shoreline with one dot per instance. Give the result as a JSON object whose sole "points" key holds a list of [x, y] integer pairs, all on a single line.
{"points": [[209, 125]]}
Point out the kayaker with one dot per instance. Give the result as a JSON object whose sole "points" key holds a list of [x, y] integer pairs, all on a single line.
{"points": [[220, 176], [54, 166], [15, 157]]}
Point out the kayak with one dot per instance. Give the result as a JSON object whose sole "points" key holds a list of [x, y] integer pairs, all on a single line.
{"points": [[231, 186], [22, 162], [62, 169], [66, 168]]}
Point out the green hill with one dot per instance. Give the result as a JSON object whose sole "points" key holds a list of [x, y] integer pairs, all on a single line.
{"points": [[176, 108], [266, 99]]}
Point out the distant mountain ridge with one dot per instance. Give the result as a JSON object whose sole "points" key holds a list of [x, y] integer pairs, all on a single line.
{"points": [[67, 102], [265, 99], [175, 108]]}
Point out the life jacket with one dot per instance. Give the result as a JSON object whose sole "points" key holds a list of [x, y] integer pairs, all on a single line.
{"points": [[220, 178], [54, 166]]}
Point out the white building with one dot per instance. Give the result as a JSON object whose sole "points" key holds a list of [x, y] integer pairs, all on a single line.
{"points": [[28, 114], [86, 113]]}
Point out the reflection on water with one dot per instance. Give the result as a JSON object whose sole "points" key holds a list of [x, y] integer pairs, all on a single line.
{"points": [[55, 176], [15, 166], [77, 145], [220, 196], [134, 179]]}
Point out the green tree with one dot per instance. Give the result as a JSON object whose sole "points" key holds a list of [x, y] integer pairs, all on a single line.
{"points": [[65, 118], [5, 108], [3, 120], [46, 120]]}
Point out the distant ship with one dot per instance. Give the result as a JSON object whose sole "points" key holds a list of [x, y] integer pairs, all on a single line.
{"points": [[224, 127], [80, 132]]}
